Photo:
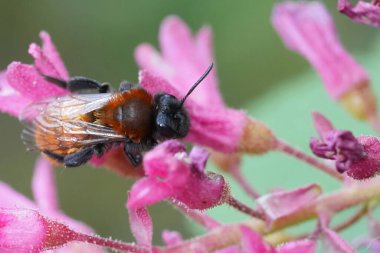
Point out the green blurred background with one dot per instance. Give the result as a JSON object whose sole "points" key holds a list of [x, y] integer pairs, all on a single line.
{"points": [[97, 39]]}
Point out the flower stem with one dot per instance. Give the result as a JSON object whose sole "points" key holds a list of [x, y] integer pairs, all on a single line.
{"points": [[111, 244], [244, 208], [199, 217], [286, 148], [236, 174], [333, 203]]}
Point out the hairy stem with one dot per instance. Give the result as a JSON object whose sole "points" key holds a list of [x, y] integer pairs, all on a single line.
{"points": [[300, 155], [244, 208], [202, 218], [112, 244]]}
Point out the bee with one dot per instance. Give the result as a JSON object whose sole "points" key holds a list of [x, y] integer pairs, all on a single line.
{"points": [[71, 129]]}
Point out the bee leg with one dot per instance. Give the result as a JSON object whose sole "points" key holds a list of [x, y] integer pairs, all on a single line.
{"points": [[78, 158], [78, 84], [133, 153], [58, 158], [127, 85]]}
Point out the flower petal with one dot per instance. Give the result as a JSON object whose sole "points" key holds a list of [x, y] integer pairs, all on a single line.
{"points": [[252, 242], [50, 51], [184, 59], [279, 205], [199, 156], [322, 125], [22, 231], [9, 198], [147, 191], [11, 101], [43, 186], [141, 226], [367, 13], [28, 82], [307, 28]]}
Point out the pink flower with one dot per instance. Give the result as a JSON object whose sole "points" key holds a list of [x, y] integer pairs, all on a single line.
{"points": [[359, 157], [182, 60], [308, 29], [280, 205], [171, 173], [363, 12], [46, 203], [21, 84]]}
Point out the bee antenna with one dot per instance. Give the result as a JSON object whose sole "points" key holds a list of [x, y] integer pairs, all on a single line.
{"points": [[196, 84]]}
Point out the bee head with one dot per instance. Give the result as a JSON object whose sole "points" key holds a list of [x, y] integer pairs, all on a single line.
{"points": [[171, 118]]}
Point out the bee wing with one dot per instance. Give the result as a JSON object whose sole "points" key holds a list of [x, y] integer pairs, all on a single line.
{"points": [[55, 124], [68, 107]]}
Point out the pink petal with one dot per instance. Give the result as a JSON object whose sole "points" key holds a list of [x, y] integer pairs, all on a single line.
{"points": [[252, 242], [9, 198], [199, 156], [279, 205], [207, 191], [183, 60], [22, 231], [43, 186], [30, 84], [147, 191], [141, 225], [218, 128], [163, 162], [300, 246], [307, 28], [367, 13], [50, 51], [171, 238], [322, 125], [11, 101]]}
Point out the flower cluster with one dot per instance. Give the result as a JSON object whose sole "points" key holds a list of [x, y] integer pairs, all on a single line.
{"points": [[170, 173]]}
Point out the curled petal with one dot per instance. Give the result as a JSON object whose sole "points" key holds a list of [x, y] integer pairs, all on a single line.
{"points": [[279, 205], [367, 13], [307, 28]]}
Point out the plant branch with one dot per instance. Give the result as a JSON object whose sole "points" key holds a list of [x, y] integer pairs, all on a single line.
{"points": [[300, 155]]}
